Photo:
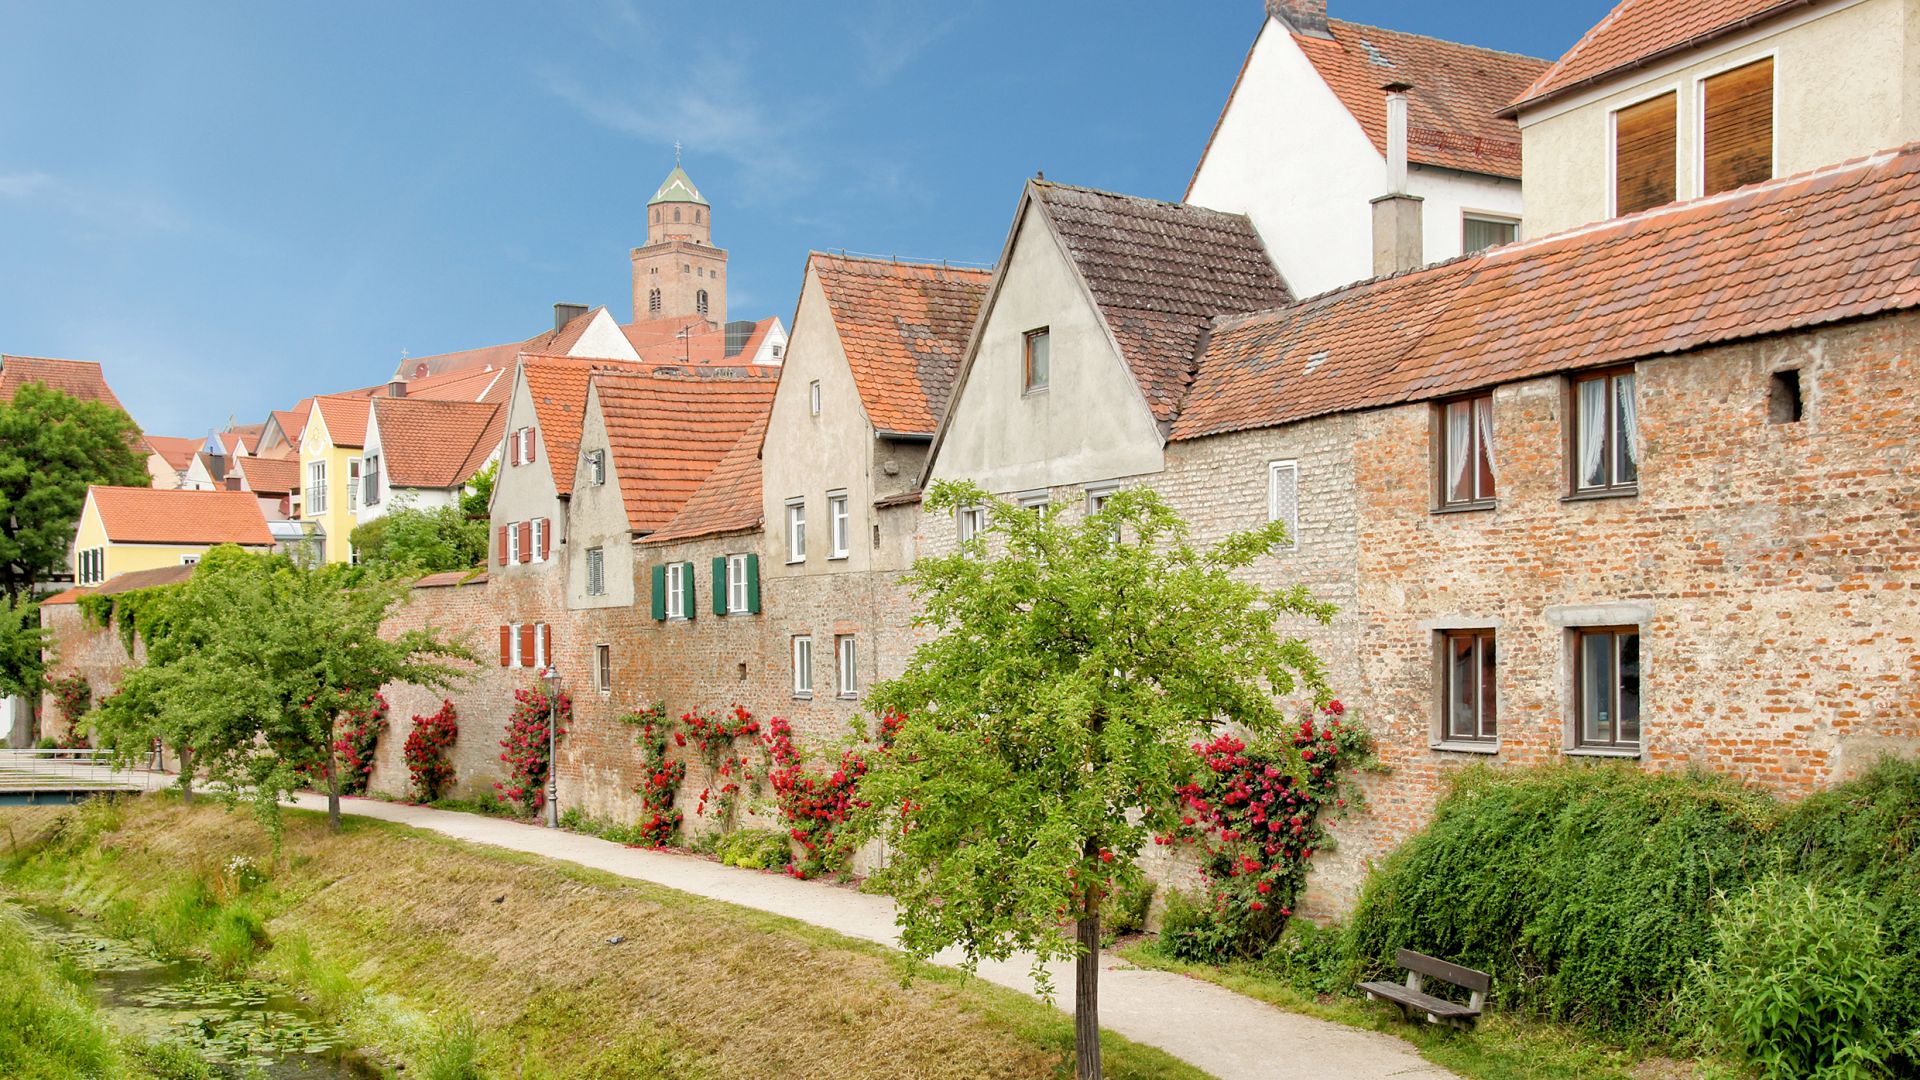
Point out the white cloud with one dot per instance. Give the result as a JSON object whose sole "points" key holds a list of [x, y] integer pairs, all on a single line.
{"points": [[891, 35], [126, 210], [23, 185]]}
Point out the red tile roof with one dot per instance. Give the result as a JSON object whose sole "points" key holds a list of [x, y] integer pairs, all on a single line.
{"points": [[430, 444], [1832, 244], [728, 500], [669, 431], [904, 327], [496, 357], [269, 476], [1636, 31], [1160, 273], [80, 378], [452, 577], [149, 516], [127, 582], [346, 418], [176, 452], [558, 386], [659, 341]]}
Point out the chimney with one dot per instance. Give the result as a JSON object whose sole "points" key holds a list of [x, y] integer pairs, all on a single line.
{"points": [[1308, 17], [566, 313], [1396, 215], [397, 386]]}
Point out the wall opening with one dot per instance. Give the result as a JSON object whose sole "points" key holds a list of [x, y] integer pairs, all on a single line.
{"points": [[1784, 404]]}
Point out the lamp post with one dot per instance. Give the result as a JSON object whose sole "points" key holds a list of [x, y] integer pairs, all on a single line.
{"points": [[551, 677]]}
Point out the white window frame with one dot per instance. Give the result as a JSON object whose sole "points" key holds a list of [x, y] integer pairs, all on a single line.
{"points": [[796, 530], [803, 665], [190, 560], [596, 571], [1487, 217], [513, 645], [1034, 500], [1274, 469], [603, 667], [1613, 144], [676, 590], [370, 478], [737, 585], [1699, 117], [813, 397], [353, 484], [969, 522], [846, 663], [540, 646], [1027, 383], [316, 491], [513, 543], [536, 532], [597, 467], [839, 525]]}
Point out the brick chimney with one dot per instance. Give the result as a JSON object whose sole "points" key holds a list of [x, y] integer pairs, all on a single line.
{"points": [[1308, 17], [1396, 215]]}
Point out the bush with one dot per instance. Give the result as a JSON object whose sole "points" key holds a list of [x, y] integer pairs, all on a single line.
{"points": [[755, 849], [426, 752], [1311, 959], [1795, 984], [1587, 892], [1124, 911], [1191, 930]]}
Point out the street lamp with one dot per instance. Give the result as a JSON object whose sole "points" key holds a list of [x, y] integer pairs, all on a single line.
{"points": [[551, 677]]}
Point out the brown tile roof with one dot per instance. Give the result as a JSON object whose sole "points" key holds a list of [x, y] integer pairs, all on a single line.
{"points": [[1160, 273], [149, 516], [127, 582], [80, 378], [176, 452], [904, 327], [728, 500], [234, 441], [452, 577], [668, 432], [1452, 110], [346, 418], [429, 444], [269, 476], [558, 386], [659, 341], [1636, 31], [1832, 244]]}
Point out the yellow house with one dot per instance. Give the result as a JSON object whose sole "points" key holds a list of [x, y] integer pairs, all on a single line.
{"points": [[125, 528], [330, 453]]}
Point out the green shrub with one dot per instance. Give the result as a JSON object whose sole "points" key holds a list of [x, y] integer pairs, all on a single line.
{"points": [[1311, 959], [237, 935], [1189, 931], [1586, 891], [1124, 911], [452, 1055], [1795, 983], [755, 849]]}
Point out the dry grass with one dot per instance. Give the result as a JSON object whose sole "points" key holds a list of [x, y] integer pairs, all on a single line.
{"points": [[697, 988]]}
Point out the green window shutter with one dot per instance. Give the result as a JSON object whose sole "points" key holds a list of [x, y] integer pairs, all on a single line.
{"points": [[686, 577], [753, 584], [720, 585], [660, 593]]}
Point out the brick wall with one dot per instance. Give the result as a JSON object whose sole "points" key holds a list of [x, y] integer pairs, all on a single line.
{"points": [[76, 646]]}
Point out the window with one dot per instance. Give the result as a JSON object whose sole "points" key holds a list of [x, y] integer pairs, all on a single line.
{"points": [[1644, 140], [676, 215], [596, 572], [370, 474], [603, 668], [1096, 502], [846, 665], [813, 396], [971, 521], [677, 591], [525, 645], [537, 544], [1736, 127], [1465, 441], [796, 530], [1479, 232], [803, 666], [1033, 500], [523, 446], [353, 484], [837, 525], [1607, 688], [1283, 497], [512, 533], [1605, 419], [316, 494], [1469, 708], [1784, 405], [700, 302], [90, 567], [653, 301], [596, 466], [189, 560], [739, 598], [1038, 365]]}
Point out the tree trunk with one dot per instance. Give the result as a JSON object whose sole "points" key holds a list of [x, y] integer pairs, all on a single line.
{"points": [[333, 793], [185, 754], [1086, 997]]}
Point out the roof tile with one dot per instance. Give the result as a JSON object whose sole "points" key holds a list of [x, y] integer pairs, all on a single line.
{"points": [[425, 443], [903, 327], [1637, 30], [80, 378], [668, 431], [149, 516]]}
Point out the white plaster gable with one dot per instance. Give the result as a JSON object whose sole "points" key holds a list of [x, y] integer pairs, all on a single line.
{"points": [[603, 340]]}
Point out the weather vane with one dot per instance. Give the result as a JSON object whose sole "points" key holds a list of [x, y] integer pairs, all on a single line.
{"points": [[676, 151]]}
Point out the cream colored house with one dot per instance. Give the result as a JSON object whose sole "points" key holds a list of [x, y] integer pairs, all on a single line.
{"points": [[1665, 100], [123, 529], [330, 450]]}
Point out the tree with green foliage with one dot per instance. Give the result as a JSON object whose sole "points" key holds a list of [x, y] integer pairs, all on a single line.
{"points": [[477, 501], [1046, 729], [22, 641], [410, 540], [52, 447]]}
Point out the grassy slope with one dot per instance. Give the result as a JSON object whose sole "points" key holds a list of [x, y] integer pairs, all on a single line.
{"points": [[403, 934], [51, 1029]]}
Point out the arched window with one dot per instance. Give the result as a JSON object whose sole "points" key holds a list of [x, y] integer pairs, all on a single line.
{"points": [[696, 217], [676, 215], [653, 302], [701, 302], [656, 215]]}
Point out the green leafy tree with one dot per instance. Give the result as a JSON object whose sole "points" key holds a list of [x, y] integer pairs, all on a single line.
{"points": [[411, 540], [477, 501], [1046, 728], [21, 643], [52, 447]]}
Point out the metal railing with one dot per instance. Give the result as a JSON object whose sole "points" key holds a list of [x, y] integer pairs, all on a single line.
{"points": [[73, 770]]}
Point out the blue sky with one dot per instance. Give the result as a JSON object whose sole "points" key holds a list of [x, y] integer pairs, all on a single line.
{"points": [[234, 205]]}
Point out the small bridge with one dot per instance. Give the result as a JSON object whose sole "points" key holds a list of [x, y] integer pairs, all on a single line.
{"points": [[66, 776]]}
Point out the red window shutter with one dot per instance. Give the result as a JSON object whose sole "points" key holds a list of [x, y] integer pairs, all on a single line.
{"points": [[1643, 154], [533, 441], [546, 642], [506, 645], [501, 556], [546, 538], [1737, 127], [526, 644], [526, 541]]}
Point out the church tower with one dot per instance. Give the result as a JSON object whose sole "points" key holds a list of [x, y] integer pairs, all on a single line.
{"points": [[679, 272]]}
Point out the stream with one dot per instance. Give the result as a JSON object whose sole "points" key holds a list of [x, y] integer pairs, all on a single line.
{"points": [[246, 1029]]}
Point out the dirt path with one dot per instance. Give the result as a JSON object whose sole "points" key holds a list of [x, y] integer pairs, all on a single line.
{"points": [[1229, 1035]]}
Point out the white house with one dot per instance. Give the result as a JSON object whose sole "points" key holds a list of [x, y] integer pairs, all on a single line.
{"points": [[422, 452]]}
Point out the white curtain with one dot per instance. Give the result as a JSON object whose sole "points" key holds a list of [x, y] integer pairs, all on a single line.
{"points": [[1593, 433], [1483, 424], [1459, 447], [1628, 469]]}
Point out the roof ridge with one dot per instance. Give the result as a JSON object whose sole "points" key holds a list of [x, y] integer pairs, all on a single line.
{"points": [[1183, 206], [1444, 41], [894, 260]]}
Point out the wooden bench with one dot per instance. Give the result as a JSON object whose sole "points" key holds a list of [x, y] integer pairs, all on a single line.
{"points": [[1413, 1001]]}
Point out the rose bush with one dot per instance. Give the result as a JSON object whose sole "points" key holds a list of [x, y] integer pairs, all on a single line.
{"points": [[524, 748], [426, 752]]}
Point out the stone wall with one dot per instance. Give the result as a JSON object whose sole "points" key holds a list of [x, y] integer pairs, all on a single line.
{"points": [[76, 646]]}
